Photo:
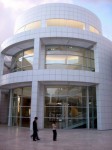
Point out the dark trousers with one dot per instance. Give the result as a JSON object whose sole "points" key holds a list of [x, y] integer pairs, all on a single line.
{"points": [[54, 135], [35, 135]]}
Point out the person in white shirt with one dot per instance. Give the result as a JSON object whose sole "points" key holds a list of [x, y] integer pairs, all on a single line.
{"points": [[54, 131]]}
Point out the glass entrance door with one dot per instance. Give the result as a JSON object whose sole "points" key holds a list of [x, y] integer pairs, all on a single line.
{"points": [[55, 110], [21, 106], [67, 105]]}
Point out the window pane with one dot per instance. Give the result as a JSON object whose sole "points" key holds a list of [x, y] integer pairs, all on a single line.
{"points": [[17, 92], [27, 61], [22, 61], [93, 29], [92, 54], [28, 53], [27, 91], [72, 59], [84, 62], [21, 106], [65, 23], [25, 111], [33, 25], [51, 59], [69, 57]]}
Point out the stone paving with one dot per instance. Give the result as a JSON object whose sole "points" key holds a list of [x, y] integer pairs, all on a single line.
{"points": [[13, 138]]}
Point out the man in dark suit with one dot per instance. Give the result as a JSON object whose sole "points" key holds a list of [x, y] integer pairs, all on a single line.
{"points": [[35, 129]]}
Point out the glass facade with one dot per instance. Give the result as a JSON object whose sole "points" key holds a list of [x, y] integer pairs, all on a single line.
{"points": [[69, 57], [70, 106], [22, 61], [21, 107], [7, 64]]}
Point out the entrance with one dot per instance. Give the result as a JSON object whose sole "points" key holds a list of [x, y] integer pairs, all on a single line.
{"points": [[70, 106], [20, 107]]}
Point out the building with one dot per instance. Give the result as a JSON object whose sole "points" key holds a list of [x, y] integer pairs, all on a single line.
{"points": [[57, 66]]}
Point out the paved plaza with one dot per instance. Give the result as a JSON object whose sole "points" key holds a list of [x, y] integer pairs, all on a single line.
{"points": [[13, 138]]}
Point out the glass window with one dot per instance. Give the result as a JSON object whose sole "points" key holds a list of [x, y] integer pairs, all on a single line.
{"points": [[75, 24], [93, 29], [84, 62], [72, 59], [22, 61], [58, 59], [65, 23], [33, 25], [92, 54], [17, 92], [21, 107], [27, 91], [92, 64], [67, 105], [30, 26], [69, 57]]}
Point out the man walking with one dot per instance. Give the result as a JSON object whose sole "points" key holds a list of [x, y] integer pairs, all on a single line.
{"points": [[35, 129]]}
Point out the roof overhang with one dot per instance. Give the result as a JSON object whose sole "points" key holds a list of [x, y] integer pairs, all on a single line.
{"points": [[15, 85], [68, 41], [15, 48]]}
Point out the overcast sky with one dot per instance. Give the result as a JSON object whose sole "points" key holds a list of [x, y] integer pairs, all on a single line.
{"points": [[10, 9]]}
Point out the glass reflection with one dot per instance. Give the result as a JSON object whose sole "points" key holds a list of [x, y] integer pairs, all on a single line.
{"points": [[93, 29], [30, 26], [69, 57], [21, 106], [22, 61], [65, 23]]}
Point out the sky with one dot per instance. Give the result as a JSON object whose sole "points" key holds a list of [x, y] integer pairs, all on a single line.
{"points": [[11, 9]]}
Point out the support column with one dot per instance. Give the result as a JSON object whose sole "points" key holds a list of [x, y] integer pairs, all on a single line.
{"points": [[87, 106], [0, 105], [36, 61], [40, 107], [10, 110], [1, 63], [37, 104], [34, 102], [34, 95]]}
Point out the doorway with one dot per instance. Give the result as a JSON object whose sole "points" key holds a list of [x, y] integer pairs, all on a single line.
{"points": [[67, 105]]}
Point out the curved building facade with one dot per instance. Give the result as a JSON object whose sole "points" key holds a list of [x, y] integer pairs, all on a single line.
{"points": [[57, 66]]}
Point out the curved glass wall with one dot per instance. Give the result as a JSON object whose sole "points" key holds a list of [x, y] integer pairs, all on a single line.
{"points": [[70, 106], [30, 26], [69, 57], [65, 23], [21, 107], [22, 61]]}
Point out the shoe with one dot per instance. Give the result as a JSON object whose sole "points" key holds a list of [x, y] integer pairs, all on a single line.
{"points": [[34, 140], [38, 139]]}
